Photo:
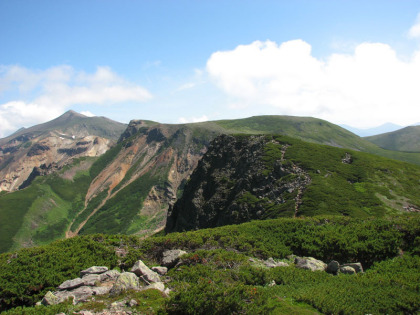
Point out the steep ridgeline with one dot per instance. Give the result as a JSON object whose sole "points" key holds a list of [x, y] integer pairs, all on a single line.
{"points": [[243, 178], [147, 170], [140, 178], [45, 148], [130, 187]]}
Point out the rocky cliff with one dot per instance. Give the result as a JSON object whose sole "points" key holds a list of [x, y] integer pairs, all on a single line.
{"points": [[45, 148], [232, 184], [243, 178]]}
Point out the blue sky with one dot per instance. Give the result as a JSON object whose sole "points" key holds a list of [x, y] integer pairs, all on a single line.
{"points": [[349, 62]]}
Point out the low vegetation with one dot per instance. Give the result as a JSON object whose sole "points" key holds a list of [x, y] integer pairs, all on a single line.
{"points": [[216, 275]]}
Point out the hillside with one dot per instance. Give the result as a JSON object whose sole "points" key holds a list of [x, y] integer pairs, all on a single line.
{"points": [[45, 148], [243, 178], [405, 139], [245, 269], [130, 187]]}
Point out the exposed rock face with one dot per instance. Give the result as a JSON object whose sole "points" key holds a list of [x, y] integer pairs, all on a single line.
{"points": [[45, 148], [232, 184]]}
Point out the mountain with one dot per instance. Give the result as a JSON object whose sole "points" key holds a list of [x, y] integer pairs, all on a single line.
{"points": [[130, 187], [406, 139], [244, 178], [387, 127], [44, 148]]}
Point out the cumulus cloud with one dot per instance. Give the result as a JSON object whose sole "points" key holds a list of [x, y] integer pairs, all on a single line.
{"points": [[414, 31], [366, 88], [184, 120], [42, 95]]}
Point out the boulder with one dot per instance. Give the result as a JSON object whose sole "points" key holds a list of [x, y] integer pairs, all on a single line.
{"points": [[71, 284], [333, 267], [94, 270], [160, 270], [310, 263], [347, 270], [271, 263], [80, 294], [145, 273], [157, 285], [171, 257], [91, 279], [109, 275], [50, 299], [356, 266], [101, 290], [126, 281]]}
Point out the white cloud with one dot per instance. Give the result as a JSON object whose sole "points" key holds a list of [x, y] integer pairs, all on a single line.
{"points": [[183, 120], [414, 31], [43, 95], [365, 88], [87, 113], [186, 86]]}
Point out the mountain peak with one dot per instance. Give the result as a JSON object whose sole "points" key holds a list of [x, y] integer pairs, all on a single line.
{"points": [[71, 113]]}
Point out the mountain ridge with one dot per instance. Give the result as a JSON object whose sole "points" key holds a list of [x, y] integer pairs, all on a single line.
{"points": [[406, 139]]}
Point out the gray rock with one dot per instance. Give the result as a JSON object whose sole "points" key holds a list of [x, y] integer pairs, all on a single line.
{"points": [[109, 275], [71, 284], [310, 263], [50, 299], [126, 281], [347, 270], [94, 270], [271, 263], [160, 270], [91, 279], [167, 291], [333, 267], [171, 257], [101, 290], [356, 266], [145, 273], [80, 294], [157, 285], [132, 303]]}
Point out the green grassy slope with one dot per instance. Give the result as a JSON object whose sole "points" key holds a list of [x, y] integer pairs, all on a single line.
{"points": [[406, 139], [369, 185], [307, 129], [216, 275], [225, 189], [43, 211]]}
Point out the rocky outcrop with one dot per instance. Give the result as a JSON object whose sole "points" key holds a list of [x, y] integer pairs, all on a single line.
{"points": [[233, 184], [98, 280], [310, 263], [141, 270], [171, 257]]}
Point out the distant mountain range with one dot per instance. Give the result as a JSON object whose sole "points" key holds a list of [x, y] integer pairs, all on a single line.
{"points": [[82, 175], [388, 127]]}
